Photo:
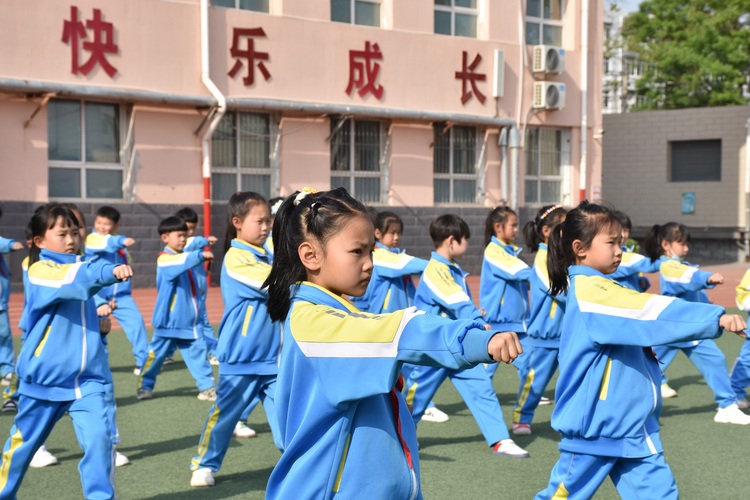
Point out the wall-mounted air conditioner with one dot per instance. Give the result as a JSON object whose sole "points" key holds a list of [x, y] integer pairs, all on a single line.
{"points": [[548, 59], [549, 95]]}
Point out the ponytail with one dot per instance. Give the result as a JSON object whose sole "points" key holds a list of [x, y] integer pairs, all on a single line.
{"points": [[559, 257], [652, 243], [669, 232]]}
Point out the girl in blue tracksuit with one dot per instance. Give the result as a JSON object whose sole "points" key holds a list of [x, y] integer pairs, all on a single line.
{"points": [[740, 376], [6, 341], [63, 364], [391, 287], [668, 244], [346, 428], [504, 282], [607, 398], [545, 320], [249, 342]]}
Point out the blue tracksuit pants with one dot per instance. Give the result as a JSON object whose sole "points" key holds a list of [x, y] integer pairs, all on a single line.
{"points": [[541, 367], [249, 408], [741, 371], [710, 362], [475, 387], [7, 363], [577, 476], [193, 352], [233, 394], [521, 363], [32, 425], [131, 320]]}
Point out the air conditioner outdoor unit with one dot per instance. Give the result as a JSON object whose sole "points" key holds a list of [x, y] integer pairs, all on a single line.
{"points": [[549, 95], [548, 59]]}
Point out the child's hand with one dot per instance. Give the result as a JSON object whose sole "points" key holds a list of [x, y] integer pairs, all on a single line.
{"points": [[733, 323], [715, 279], [482, 311], [103, 310], [16, 246], [208, 255], [123, 272], [504, 347], [212, 240], [129, 242], [113, 304], [487, 326]]}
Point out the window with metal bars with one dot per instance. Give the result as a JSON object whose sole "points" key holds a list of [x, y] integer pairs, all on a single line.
{"points": [[84, 141], [695, 161], [241, 156], [356, 157], [362, 12], [455, 172], [456, 17]]}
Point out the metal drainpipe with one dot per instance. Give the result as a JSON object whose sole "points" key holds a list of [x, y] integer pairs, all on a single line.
{"points": [[218, 115], [584, 95], [747, 192], [514, 144], [502, 142]]}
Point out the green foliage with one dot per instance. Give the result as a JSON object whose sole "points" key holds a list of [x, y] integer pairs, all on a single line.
{"points": [[696, 52]]}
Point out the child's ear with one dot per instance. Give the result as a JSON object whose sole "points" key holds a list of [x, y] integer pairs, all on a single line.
{"points": [[164, 237], [496, 227], [237, 223], [310, 256], [578, 249], [116, 227], [665, 246], [38, 241], [378, 234], [546, 231]]}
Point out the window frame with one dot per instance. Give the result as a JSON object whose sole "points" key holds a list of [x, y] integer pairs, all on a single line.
{"points": [[237, 6], [479, 165], [353, 13], [273, 168], [83, 165], [561, 178], [542, 21], [453, 9], [351, 173]]}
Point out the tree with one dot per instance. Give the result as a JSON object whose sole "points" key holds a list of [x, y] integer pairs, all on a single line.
{"points": [[696, 52]]}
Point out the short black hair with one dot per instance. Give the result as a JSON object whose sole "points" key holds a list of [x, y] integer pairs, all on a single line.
{"points": [[110, 213], [624, 219], [170, 224], [448, 225], [188, 215]]}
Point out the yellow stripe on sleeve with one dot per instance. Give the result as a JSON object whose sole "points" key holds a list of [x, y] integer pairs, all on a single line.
{"points": [[53, 275], [599, 295], [677, 272], [242, 266]]}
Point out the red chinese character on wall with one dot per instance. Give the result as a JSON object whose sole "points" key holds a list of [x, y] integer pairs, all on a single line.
{"points": [[99, 45], [249, 53], [468, 76], [364, 70]]}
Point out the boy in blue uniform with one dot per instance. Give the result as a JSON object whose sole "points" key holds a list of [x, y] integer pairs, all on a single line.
{"points": [[104, 243], [176, 317], [443, 291]]}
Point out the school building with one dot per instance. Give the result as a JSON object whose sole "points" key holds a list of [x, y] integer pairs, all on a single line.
{"points": [[421, 106], [690, 166]]}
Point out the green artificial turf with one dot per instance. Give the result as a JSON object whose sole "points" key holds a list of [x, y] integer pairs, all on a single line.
{"points": [[161, 436]]}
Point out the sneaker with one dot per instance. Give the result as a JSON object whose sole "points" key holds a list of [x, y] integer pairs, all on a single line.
{"points": [[241, 430], [5, 381], [10, 406], [544, 401], [213, 360], [667, 392], [121, 459], [742, 404], [202, 478], [207, 395], [433, 414], [43, 458], [507, 448], [137, 371], [522, 429], [169, 360], [142, 394], [731, 415]]}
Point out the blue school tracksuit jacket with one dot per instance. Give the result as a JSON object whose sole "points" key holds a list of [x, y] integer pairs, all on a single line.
{"points": [[547, 312], [443, 291], [249, 342], [629, 271], [391, 287], [607, 400], [347, 430], [177, 308], [110, 248], [6, 247], [63, 357], [503, 287]]}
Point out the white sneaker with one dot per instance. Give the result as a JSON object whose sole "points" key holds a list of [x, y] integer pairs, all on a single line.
{"points": [[522, 429], [433, 414], [241, 430], [207, 395], [121, 459], [731, 415], [667, 392], [169, 360], [544, 401], [213, 360], [202, 478], [43, 458], [507, 448], [137, 371], [5, 381], [743, 404]]}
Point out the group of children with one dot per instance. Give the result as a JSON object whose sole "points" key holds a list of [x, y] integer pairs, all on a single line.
{"points": [[364, 350]]}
